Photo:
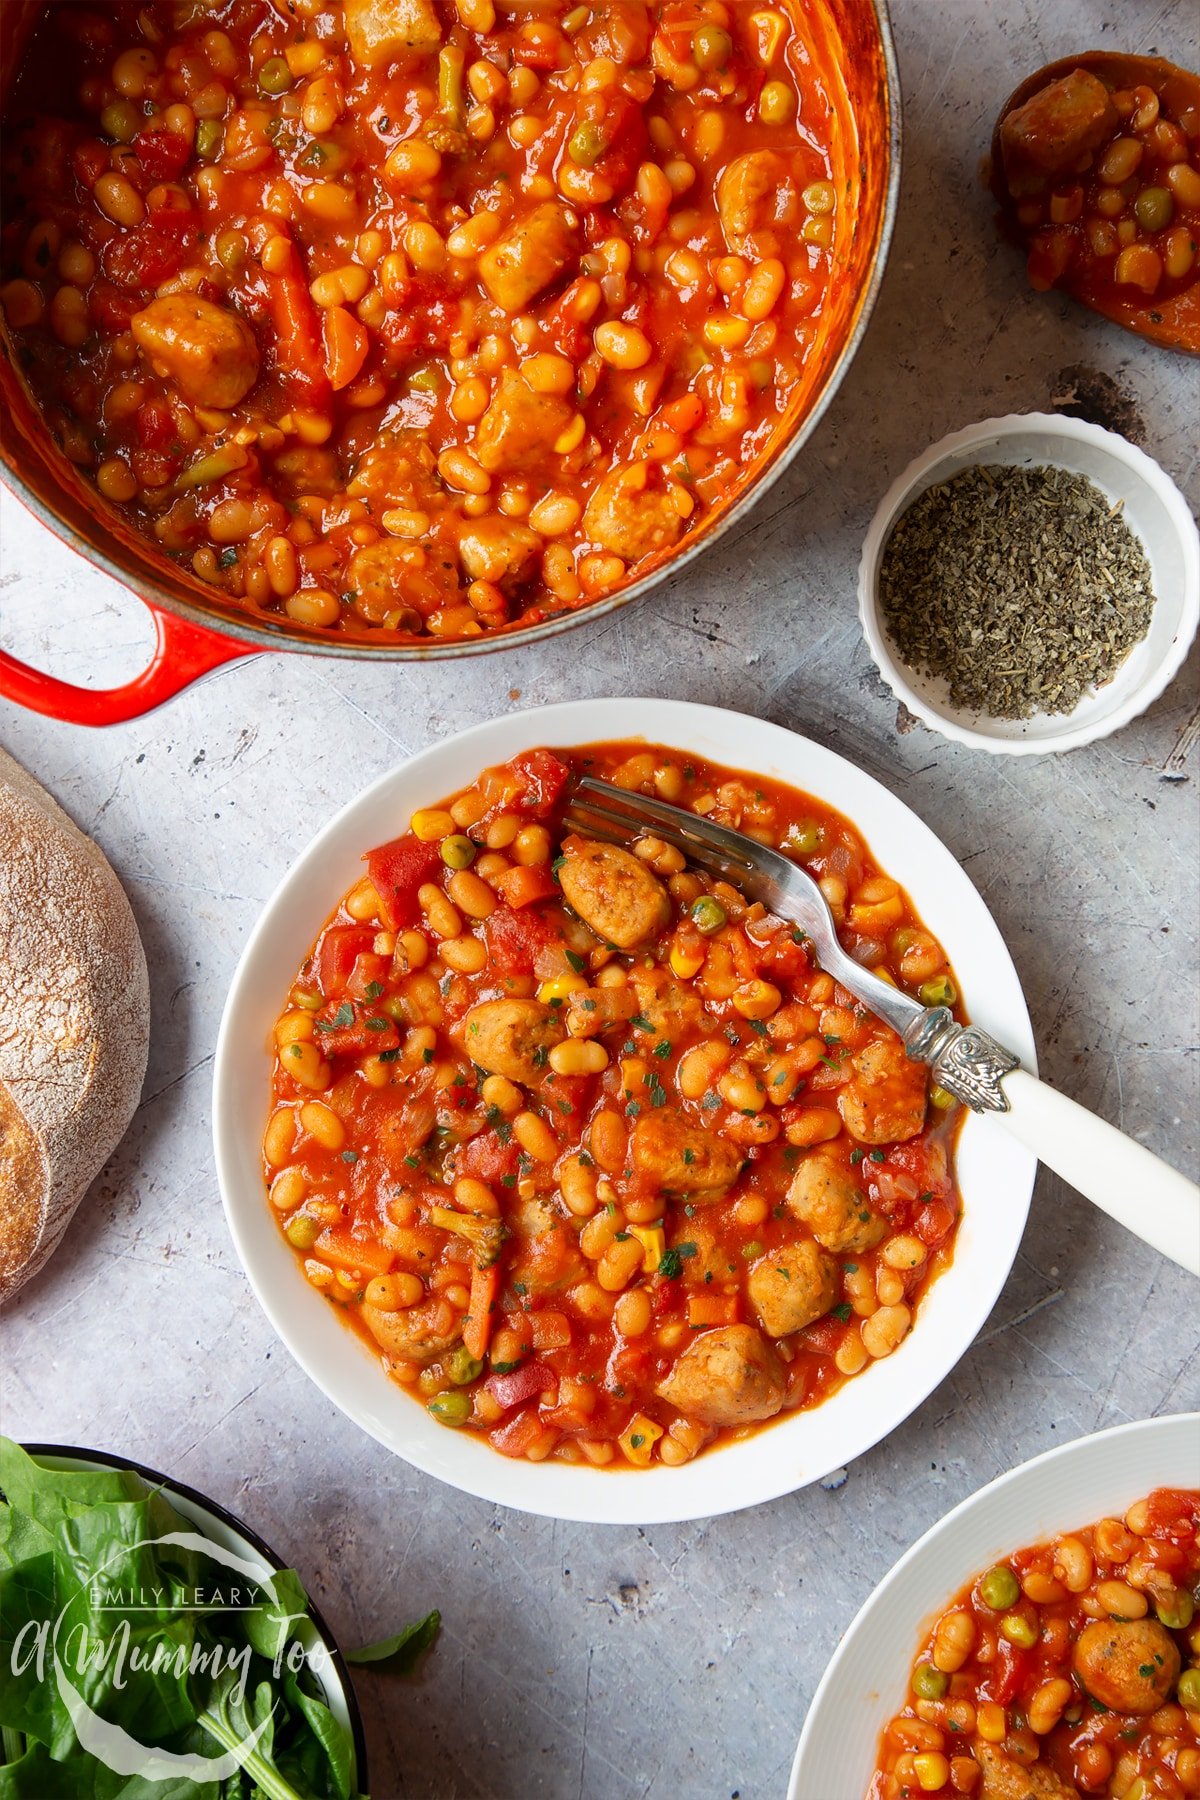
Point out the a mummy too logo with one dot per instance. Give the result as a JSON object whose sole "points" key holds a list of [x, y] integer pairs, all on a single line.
{"points": [[115, 1630]]}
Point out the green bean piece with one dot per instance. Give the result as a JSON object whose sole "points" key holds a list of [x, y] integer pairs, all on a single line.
{"points": [[1154, 208], [450, 86], [302, 1230], [708, 915], [458, 852], [275, 77], [929, 1683], [940, 991], [450, 1409], [939, 1097], [226, 460], [999, 1588], [461, 1366]]}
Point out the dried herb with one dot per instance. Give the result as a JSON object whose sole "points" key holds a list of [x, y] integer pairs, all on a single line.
{"points": [[1023, 588]]}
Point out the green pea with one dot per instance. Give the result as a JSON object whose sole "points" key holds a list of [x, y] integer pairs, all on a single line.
{"points": [[929, 1683], [302, 1230], [309, 1001], [1178, 1612], [275, 77], [711, 47], [450, 1409], [806, 838], [458, 852], [941, 991], [1189, 1690], [427, 380], [1019, 1630], [210, 135], [1154, 208], [121, 121], [461, 1366], [999, 1588], [587, 145], [708, 915]]}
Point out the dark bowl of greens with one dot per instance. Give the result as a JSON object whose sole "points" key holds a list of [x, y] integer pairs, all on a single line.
{"points": [[154, 1648]]}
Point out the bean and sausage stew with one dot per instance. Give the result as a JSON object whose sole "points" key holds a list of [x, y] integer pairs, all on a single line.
{"points": [[1102, 183], [416, 318], [1071, 1669], [586, 1146]]}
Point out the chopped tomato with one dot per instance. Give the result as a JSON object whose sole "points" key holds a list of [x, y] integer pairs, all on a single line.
{"points": [[544, 778], [516, 1386], [488, 1157], [163, 154], [339, 950], [514, 939], [514, 1437], [397, 870]]}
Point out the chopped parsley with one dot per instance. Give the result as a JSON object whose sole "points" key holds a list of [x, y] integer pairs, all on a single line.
{"points": [[374, 989], [841, 1312], [577, 962], [343, 1016], [350, 1156], [878, 1156], [663, 1049]]}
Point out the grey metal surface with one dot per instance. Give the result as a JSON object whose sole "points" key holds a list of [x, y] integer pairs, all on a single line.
{"points": [[615, 1664]]}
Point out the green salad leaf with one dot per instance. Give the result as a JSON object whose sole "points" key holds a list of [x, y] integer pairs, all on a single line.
{"points": [[100, 1576]]}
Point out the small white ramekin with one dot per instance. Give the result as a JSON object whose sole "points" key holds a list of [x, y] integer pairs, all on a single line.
{"points": [[1155, 509]]}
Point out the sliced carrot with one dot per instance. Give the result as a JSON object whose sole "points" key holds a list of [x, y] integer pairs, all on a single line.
{"points": [[523, 886], [477, 1325], [346, 346], [339, 1245], [713, 1309]]}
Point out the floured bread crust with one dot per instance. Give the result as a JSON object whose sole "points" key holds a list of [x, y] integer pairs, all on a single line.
{"points": [[74, 1020]]}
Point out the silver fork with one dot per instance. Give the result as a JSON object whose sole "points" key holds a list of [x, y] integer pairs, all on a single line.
{"points": [[1118, 1174]]}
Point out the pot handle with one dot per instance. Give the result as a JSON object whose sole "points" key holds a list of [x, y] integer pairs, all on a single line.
{"points": [[182, 653]]}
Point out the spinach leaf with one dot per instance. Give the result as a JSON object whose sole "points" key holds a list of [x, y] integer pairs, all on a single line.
{"points": [[403, 1651]]}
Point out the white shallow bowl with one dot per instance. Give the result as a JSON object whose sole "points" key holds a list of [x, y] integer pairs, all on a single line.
{"points": [[1073, 1485], [1157, 512], [995, 1173]]}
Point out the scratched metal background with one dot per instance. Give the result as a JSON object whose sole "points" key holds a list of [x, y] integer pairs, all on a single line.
{"points": [[615, 1664]]}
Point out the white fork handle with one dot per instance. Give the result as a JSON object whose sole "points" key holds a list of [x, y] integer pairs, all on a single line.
{"points": [[1121, 1177]]}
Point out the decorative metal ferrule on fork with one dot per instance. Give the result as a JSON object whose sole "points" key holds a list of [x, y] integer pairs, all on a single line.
{"points": [[965, 1060]]}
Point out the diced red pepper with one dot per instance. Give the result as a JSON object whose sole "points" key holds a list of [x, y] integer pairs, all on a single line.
{"points": [[163, 154], [544, 778], [519, 1385], [933, 1222], [520, 887], [339, 950], [397, 870]]}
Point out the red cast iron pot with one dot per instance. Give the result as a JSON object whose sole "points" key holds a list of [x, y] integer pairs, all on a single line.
{"points": [[194, 632]]}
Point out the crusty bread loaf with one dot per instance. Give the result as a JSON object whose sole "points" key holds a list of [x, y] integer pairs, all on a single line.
{"points": [[74, 1020]]}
